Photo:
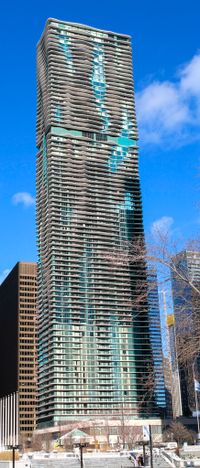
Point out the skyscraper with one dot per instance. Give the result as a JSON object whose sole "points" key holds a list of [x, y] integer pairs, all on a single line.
{"points": [[94, 343], [18, 348], [186, 302], [173, 370], [157, 367]]}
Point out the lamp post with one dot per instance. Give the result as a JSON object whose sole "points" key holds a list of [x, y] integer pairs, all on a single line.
{"points": [[150, 446], [196, 402], [81, 446], [124, 399], [13, 448], [147, 436], [123, 426], [13, 456], [144, 443]]}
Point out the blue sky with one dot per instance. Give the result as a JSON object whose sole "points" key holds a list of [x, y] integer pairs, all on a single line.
{"points": [[167, 83]]}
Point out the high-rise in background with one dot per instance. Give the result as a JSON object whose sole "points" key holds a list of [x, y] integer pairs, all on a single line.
{"points": [[18, 353], [174, 402], [155, 382], [186, 302], [94, 343]]}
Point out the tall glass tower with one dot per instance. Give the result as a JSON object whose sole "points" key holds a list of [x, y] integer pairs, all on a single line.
{"points": [[186, 301], [94, 344]]}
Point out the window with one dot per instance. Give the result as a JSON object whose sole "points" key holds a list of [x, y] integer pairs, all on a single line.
{"points": [[101, 137]]}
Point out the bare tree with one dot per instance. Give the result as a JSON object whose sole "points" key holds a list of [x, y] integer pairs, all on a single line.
{"points": [[69, 443], [47, 441], [161, 253], [37, 443], [180, 433], [133, 434]]}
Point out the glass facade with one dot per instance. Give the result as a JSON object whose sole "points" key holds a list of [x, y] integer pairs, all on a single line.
{"points": [[156, 342], [186, 322], [93, 345]]}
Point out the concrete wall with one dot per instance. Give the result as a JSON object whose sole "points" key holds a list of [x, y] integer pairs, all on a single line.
{"points": [[18, 464]]}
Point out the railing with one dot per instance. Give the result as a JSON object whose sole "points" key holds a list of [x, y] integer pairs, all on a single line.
{"points": [[173, 459]]}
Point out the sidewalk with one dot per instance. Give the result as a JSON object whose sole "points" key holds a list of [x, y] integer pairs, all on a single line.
{"points": [[159, 462]]}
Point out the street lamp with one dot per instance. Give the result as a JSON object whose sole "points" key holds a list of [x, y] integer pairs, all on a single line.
{"points": [[124, 399], [123, 426], [13, 448], [196, 400], [81, 446], [147, 435], [144, 444]]}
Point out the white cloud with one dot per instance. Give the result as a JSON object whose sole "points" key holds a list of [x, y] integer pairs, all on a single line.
{"points": [[23, 197], [190, 77], [4, 274], [162, 226], [168, 111]]}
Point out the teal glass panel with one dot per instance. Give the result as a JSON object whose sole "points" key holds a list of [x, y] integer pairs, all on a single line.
{"points": [[99, 83]]}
